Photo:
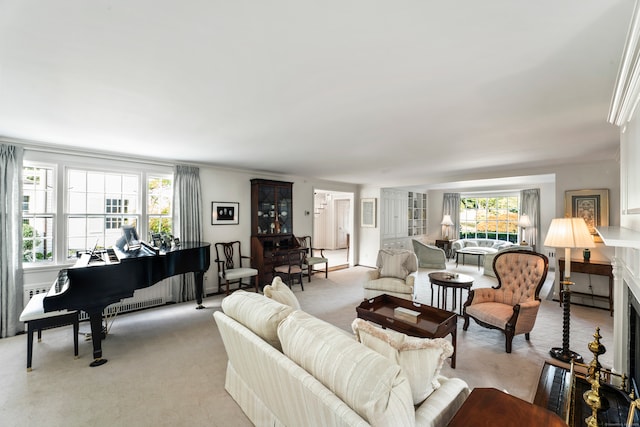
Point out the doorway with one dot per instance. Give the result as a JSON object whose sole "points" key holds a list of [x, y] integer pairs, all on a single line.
{"points": [[333, 225]]}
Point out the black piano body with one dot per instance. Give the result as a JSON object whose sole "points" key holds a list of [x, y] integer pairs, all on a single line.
{"points": [[93, 287]]}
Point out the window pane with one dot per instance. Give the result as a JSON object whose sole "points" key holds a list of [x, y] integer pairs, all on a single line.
{"points": [[77, 202], [77, 181], [95, 182], [38, 204], [113, 184]]}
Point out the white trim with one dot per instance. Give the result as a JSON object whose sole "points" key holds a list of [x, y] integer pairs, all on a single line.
{"points": [[627, 90]]}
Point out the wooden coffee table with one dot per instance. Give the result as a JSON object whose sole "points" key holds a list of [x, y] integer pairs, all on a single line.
{"points": [[480, 253], [447, 280], [432, 322], [488, 407]]}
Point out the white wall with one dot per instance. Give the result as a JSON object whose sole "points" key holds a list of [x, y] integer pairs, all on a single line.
{"points": [[218, 184]]}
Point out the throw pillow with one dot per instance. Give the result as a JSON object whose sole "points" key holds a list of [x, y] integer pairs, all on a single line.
{"points": [[470, 243], [421, 359], [280, 292], [393, 264], [258, 313]]}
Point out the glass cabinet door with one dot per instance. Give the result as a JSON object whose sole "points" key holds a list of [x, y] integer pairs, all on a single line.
{"points": [[266, 209], [284, 210]]}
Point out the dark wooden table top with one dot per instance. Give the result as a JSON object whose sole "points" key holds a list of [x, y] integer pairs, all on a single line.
{"points": [[488, 407]]}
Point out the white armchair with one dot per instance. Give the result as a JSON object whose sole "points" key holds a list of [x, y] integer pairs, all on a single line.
{"points": [[395, 274]]}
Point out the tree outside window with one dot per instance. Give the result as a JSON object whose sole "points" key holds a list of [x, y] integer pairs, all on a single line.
{"points": [[491, 217]]}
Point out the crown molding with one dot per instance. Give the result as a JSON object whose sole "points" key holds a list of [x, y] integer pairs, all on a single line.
{"points": [[626, 93]]}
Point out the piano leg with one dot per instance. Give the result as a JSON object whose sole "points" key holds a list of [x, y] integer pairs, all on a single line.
{"points": [[96, 338], [199, 278]]}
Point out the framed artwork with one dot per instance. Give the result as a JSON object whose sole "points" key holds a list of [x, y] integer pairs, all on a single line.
{"points": [[225, 213], [592, 205], [368, 213]]}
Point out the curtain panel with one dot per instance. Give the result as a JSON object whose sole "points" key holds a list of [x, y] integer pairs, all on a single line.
{"points": [[530, 205], [187, 208], [451, 206], [11, 284]]}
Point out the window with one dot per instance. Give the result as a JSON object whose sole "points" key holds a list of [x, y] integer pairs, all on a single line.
{"points": [[159, 204], [98, 204], [491, 217], [72, 204], [38, 213]]}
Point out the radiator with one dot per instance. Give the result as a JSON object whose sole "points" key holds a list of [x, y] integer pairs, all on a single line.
{"points": [[152, 296]]}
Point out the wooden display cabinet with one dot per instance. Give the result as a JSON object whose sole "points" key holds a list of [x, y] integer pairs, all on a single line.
{"points": [[271, 224]]}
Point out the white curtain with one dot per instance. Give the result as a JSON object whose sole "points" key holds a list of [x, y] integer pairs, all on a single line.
{"points": [[451, 206], [11, 286], [187, 208], [530, 205]]}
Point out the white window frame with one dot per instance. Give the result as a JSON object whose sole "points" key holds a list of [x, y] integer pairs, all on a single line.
{"points": [[61, 162]]}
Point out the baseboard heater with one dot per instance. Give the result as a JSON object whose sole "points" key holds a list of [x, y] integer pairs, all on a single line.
{"points": [[144, 298]]}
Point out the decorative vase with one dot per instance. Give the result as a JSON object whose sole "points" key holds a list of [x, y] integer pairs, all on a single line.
{"points": [[586, 254]]}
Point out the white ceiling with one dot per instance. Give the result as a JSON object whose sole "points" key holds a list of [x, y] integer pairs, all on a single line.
{"points": [[373, 92]]}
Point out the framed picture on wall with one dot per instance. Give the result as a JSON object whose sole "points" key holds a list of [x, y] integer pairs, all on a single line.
{"points": [[592, 205], [368, 213], [225, 213]]}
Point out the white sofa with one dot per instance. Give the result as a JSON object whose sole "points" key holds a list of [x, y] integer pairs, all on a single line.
{"points": [[488, 245], [288, 368]]}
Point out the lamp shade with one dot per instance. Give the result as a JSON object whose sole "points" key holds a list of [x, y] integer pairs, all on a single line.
{"points": [[524, 221], [446, 220], [569, 233]]}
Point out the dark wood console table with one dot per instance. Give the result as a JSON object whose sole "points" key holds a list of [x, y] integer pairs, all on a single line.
{"points": [[599, 268]]}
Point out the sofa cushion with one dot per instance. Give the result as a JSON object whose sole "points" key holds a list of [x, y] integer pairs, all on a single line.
{"points": [[421, 359], [280, 292], [393, 264], [258, 313], [369, 383], [470, 243]]}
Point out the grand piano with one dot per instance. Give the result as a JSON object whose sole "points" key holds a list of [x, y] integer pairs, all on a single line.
{"points": [[92, 286]]}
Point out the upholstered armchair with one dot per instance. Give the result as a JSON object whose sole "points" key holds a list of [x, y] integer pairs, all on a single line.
{"points": [[429, 256], [512, 305], [395, 274]]}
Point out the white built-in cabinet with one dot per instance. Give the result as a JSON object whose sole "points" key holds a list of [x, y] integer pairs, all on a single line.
{"points": [[403, 215]]}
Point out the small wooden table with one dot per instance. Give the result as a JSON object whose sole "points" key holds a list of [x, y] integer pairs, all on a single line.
{"points": [[432, 322], [488, 407], [447, 280], [446, 246]]}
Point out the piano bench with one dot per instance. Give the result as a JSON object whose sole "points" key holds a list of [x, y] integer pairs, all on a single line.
{"points": [[37, 320]]}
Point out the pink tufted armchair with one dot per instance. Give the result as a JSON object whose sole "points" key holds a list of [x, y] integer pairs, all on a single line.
{"points": [[511, 306]]}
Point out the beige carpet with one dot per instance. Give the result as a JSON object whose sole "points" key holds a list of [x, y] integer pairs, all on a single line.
{"points": [[166, 365]]}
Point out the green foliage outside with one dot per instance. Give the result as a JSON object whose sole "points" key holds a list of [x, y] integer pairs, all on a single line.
{"points": [[490, 218], [30, 241]]}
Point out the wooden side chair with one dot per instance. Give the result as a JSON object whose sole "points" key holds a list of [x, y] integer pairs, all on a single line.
{"points": [[310, 258], [290, 266], [512, 305], [230, 270]]}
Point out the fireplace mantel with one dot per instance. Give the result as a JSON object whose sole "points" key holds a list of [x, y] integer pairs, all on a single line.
{"points": [[620, 237]]}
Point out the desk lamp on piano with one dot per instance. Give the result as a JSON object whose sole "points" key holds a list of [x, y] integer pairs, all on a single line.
{"points": [[129, 265]]}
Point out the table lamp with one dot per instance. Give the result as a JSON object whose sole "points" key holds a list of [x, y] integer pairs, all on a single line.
{"points": [[523, 223], [567, 233], [446, 225]]}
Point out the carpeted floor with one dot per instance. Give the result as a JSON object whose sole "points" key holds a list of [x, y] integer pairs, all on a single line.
{"points": [[167, 365]]}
